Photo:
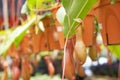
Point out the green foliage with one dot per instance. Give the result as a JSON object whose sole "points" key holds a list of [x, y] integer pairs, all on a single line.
{"points": [[38, 4], [31, 5], [4, 35], [115, 49], [75, 9], [16, 35]]}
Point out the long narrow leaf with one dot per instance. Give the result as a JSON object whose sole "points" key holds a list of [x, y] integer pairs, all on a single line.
{"points": [[76, 9], [67, 4], [16, 34]]}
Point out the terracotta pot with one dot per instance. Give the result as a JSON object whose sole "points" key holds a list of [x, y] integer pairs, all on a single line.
{"points": [[53, 37], [108, 16], [26, 46], [58, 25], [44, 44], [88, 29], [48, 38], [13, 51], [35, 41]]}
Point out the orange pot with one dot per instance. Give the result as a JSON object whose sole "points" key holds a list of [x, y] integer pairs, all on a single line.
{"points": [[53, 37], [88, 29], [35, 40], [58, 25], [44, 44], [48, 38], [108, 15], [26, 45], [13, 52]]}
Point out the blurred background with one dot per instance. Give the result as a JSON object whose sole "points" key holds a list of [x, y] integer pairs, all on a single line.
{"points": [[33, 43]]}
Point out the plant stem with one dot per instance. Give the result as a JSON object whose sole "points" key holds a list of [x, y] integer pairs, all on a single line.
{"points": [[65, 49], [63, 73]]}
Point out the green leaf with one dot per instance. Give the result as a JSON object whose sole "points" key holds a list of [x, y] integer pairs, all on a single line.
{"points": [[39, 4], [67, 4], [4, 34], [19, 39], [115, 49], [75, 9], [16, 35], [32, 5]]}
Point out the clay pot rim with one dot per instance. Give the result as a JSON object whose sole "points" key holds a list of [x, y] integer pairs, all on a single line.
{"points": [[99, 4]]}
